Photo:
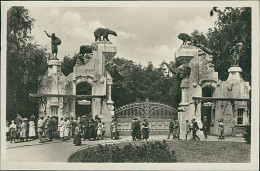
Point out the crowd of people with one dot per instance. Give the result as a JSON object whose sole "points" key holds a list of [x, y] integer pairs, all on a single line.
{"points": [[82, 127], [139, 131], [88, 128]]}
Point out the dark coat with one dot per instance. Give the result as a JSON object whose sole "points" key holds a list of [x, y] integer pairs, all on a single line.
{"points": [[51, 125]]}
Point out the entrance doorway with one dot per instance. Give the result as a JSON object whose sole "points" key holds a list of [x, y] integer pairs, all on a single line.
{"points": [[83, 107], [206, 107]]}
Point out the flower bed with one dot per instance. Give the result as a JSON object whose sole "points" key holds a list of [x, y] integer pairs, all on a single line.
{"points": [[145, 153]]}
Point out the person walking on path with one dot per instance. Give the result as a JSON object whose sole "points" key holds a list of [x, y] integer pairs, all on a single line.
{"points": [[18, 122], [99, 130], [27, 129], [51, 128], [62, 128], [46, 125], [133, 129], [73, 126], [77, 136], [7, 134], [145, 129], [114, 129], [23, 131], [103, 131], [221, 130], [195, 128], [205, 127], [92, 129], [32, 129], [40, 129], [176, 129], [67, 128], [188, 129], [12, 130], [171, 127]]}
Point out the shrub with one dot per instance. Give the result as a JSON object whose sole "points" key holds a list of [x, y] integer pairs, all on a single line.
{"points": [[148, 152], [247, 135]]}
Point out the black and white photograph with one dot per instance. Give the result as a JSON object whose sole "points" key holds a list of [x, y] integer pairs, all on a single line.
{"points": [[130, 85]]}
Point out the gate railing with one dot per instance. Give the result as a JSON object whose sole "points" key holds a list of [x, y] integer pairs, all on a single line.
{"points": [[157, 114]]}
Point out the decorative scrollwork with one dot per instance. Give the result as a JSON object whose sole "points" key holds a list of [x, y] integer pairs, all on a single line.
{"points": [[145, 109]]}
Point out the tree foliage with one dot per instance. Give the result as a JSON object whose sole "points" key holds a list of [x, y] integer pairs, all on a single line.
{"points": [[233, 26], [26, 61], [140, 83]]}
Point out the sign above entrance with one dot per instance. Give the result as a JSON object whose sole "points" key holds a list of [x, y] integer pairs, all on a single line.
{"points": [[84, 102]]}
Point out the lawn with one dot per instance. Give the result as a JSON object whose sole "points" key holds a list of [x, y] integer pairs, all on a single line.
{"points": [[198, 151]]}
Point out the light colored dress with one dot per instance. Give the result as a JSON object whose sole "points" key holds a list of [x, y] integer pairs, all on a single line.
{"points": [[62, 128], [67, 129], [23, 130], [31, 129], [99, 129]]}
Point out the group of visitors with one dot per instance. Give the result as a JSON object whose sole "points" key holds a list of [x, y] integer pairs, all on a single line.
{"points": [[138, 129], [193, 127], [174, 129], [20, 129], [87, 128]]}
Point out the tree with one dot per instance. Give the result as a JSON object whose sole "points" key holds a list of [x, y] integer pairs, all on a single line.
{"points": [[68, 64], [26, 61], [233, 26]]}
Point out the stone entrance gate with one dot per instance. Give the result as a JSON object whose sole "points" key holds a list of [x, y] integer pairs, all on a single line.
{"points": [[157, 115]]}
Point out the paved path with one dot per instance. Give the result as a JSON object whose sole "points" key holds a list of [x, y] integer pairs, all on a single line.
{"points": [[59, 151]]}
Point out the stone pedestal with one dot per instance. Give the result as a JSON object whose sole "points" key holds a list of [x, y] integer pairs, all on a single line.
{"points": [[234, 73]]}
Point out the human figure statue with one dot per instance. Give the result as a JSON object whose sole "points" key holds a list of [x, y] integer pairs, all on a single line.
{"points": [[103, 32], [55, 41], [236, 52]]}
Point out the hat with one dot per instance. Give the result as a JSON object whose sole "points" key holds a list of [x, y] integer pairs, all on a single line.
{"points": [[25, 119]]}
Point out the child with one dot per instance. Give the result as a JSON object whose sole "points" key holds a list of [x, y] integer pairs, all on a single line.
{"points": [[103, 131], [12, 129], [77, 137], [188, 129], [221, 130], [99, 129]]}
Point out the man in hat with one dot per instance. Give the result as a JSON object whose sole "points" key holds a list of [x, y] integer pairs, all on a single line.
{"points": [[18, 122], [41, 129], [195, 128], [205, 126], [51, 127], [171, 127], [26, 128]]}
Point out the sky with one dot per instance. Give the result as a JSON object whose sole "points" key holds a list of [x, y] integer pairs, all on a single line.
{"points": [[144, 33]]}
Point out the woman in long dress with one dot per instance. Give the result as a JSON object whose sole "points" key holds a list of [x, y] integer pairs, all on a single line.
{"points": [[145, 130], [99, 129], [31, 129], [61, 128], [67, 128], [92, 129], [77, 136], [23, 131]]}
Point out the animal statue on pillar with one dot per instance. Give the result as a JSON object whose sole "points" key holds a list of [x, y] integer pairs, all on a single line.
{"points": [[84, 49], [103, 32]]}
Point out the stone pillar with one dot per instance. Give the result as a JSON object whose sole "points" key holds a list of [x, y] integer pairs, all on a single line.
{"points": [[182, 110]]}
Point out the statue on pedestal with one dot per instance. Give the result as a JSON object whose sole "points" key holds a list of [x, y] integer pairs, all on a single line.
{"points": [[84, 49], [55, 41], [236, 53], [103, 32]]}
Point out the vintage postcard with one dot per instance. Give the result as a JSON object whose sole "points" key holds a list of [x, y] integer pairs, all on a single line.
{"points": [[148, 85]]}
